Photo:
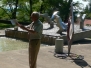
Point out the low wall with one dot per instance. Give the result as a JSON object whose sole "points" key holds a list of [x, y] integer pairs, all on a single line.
{"points": [[47, 39]]}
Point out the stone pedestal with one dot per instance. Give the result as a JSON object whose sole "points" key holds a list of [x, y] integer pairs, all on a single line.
{"points": [[82, 21], [59, 46], [82, 24]]}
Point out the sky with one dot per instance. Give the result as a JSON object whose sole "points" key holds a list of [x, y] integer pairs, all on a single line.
{"points": [[85, 3]]}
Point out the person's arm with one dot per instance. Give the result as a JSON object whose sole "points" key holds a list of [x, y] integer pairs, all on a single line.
{"points": [[25, 28]]}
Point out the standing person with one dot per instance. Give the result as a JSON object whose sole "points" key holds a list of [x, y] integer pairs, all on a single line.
{"points": [[35, 32]]}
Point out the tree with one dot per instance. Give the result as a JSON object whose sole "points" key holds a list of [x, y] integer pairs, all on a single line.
{"points": [[12, 7], [15, 10], [22, 9], [89, 4], [87, 10], [62, 5]]}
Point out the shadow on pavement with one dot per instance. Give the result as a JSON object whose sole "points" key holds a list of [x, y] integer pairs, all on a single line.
{"points": [[82, 63], [83, 41]]}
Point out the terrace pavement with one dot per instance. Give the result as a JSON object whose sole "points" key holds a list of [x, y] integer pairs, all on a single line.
{"points": [[46, 59]]}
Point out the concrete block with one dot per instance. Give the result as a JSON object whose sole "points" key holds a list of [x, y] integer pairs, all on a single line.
{"points": [[59, 45]]}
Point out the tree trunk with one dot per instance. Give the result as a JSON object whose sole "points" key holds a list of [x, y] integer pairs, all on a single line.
{"points": [[68, 11], [30, 6], [15, 10], [41, 8]]}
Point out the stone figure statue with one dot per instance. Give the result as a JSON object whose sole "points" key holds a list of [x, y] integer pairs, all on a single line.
{"points": [[62, 26], [48, 19]]}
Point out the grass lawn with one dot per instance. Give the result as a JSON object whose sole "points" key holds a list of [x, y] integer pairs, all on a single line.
{"points": [[3, 25]]}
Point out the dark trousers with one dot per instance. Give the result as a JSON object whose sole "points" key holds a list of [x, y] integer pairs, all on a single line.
{"points": [[34, 46]]}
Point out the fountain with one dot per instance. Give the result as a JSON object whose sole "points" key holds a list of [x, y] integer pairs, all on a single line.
{"points": [[49, 35]]}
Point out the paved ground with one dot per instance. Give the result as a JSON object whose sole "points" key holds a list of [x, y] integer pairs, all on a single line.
{"points": [[46, 59], [19, 58]]}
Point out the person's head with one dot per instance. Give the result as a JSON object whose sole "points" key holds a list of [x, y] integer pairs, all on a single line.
{"points": [[34, 16]]}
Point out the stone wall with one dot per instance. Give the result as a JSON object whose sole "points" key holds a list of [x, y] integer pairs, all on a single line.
{"points": [[47, 39]]}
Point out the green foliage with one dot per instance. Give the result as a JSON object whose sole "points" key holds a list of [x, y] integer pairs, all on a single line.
{"points": [[87, 11], [25, 7], [4, 14], [88, 16], [36, 6], [1, 13], [23, 13], [3, 26]]}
